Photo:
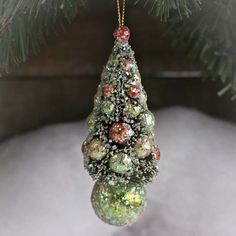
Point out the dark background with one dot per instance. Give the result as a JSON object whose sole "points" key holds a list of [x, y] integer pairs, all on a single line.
{"points": [[59, 84]]}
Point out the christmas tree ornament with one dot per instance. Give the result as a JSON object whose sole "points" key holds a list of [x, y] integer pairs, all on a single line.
{"points": [[148, 120], [134, 91], [91, 121], [143, 147], [120, 133], [96, 149], [133, 110], [120, 163], [107, 90], [127, 64], [122, 33], [120, 152], [107, 107], [157, 154]]}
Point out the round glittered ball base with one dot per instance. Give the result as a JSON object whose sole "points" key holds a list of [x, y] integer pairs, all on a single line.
{"points": [[119, 204]]}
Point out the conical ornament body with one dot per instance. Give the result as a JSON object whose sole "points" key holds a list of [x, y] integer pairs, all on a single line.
{"points": [[120, 151]]}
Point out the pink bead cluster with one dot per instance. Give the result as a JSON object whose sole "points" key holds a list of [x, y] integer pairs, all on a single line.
{"points": [[120, 133], [122, 33]]}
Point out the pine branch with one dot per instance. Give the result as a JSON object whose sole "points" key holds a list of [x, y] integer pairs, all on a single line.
{"points": [[165, 8], [210, 37], [24, 24]]}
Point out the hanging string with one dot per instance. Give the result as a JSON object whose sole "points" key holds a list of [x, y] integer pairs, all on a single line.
{"points": [[121, 13]]}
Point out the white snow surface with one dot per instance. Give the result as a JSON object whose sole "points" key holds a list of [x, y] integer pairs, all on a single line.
{"points": [[44, 190]]}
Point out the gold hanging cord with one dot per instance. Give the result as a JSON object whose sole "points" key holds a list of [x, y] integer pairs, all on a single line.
{"points": [[121, 13]]}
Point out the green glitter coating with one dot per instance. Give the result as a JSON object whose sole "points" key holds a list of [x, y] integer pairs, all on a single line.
{"points": [[148, 119], [120, 107], [108, 107], [120, 163], [119, 204]]}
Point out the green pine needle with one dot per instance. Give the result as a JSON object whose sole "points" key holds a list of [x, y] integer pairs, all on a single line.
{"points": [[165, 8], [210, 38], [24, 24], [209, 34]]}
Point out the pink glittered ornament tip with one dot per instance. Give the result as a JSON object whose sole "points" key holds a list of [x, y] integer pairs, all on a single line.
{"points": [[122, 33]]}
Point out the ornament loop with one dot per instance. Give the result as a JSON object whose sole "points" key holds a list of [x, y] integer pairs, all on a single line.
{"points": [[121, 15]]}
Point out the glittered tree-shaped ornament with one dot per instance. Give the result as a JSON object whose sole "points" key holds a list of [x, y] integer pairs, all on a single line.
{"points": [[120, 152]]}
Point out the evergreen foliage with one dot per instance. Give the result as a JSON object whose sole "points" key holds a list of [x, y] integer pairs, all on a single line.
{"points": [[210, 37], [207, 28], [25, 23], [163, 8]]}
